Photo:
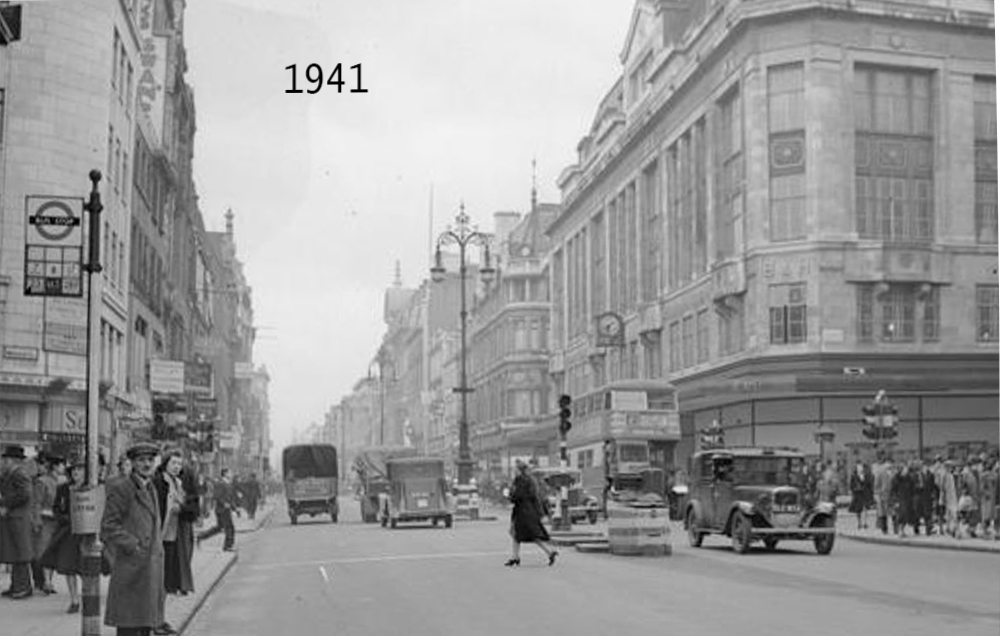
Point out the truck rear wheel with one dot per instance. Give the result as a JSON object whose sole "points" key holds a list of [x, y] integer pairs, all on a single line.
{"points": [[295, 520], [392, 523], [447, 521]]}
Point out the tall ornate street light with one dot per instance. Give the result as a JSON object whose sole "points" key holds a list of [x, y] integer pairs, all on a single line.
{"points": [[382, 361], [463, 235]]}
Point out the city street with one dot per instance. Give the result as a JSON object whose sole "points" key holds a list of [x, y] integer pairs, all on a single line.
{"points": [[361, 579]]}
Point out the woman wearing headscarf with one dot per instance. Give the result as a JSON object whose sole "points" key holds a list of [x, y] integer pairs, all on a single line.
{"points": [[526, 517]]}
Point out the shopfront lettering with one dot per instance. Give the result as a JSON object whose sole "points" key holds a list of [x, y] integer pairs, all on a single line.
{"points": [[74, 421]]}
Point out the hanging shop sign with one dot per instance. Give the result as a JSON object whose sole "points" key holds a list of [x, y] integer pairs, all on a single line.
{"points": [[166, 376]]}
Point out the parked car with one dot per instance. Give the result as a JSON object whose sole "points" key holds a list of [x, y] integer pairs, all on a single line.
{"points": [[754, 494]]}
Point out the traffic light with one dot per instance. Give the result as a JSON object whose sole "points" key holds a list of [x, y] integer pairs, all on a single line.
{"points": [[871, 415], [564, 414], [208, 445]]}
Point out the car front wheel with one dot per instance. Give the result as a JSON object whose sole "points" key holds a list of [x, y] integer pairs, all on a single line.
{"points": [[695, 537], [740, 533], [824, 542]]}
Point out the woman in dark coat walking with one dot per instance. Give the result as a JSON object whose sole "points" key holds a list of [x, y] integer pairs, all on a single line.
{"points": [[526, 517], [862, 486], [63, 553], [902, 490]]}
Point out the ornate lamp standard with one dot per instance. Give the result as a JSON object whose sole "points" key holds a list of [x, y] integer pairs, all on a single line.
{"points": [[382, 361], [463, 235]]}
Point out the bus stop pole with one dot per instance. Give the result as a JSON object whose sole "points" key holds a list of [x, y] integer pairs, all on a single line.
{"points": [[91, 545]]}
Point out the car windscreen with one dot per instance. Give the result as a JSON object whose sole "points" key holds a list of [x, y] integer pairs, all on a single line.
{"points": [[779, 471], [306, 461]]}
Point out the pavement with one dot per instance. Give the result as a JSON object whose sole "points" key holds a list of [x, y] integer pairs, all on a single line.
{"points": [[847, 528], [46, 615]]}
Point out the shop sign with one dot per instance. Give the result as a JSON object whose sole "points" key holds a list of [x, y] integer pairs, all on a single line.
{"points": [[198, 377], [243, 370], [20, 353], [166, 376], [65, 326]]}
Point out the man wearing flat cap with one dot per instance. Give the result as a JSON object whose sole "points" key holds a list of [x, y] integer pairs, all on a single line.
{"points": [[131, 531], [16, 547]]}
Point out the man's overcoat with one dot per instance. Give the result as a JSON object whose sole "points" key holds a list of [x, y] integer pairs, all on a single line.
{"points": [[15, 525], [131, 531]]}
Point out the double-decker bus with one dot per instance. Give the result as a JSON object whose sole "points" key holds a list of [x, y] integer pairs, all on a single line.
{"points": [[623, 428]]}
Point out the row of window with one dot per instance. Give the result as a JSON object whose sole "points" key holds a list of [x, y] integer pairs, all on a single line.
{"points": [[494, 401], [894, 126], [885, 313], [113, 257], [510, 336], [122, 74], [118, 166]]}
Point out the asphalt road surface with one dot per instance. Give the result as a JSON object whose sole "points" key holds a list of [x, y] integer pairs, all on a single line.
{"points": [[359, 579]]}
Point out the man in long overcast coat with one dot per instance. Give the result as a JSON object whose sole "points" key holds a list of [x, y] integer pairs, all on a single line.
{"points": [[16, 547], [131, 530]]}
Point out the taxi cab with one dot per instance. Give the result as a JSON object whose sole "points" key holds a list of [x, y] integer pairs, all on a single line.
{"points": [[752, 494]]}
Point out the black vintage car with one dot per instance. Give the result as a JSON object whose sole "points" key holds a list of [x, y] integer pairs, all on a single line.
{"points": [[754, 494]]}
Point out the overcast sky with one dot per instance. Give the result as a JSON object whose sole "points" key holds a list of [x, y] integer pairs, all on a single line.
{"points": [[330, 190]]}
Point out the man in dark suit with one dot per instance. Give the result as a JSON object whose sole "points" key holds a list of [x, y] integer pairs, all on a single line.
{"points": [[226, 501], [15, 521], [130, 529]]}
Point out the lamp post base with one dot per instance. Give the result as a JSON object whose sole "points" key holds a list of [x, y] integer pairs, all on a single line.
{"points": [[464, 470]]}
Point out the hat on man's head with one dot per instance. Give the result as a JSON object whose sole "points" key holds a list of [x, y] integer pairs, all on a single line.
{"points": [[14, 451], [52, 459], [143, 449]]}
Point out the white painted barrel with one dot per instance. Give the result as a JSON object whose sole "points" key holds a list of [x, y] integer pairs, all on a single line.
{"points": [[639, 530]]}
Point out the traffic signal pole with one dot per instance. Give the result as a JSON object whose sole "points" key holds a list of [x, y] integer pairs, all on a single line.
{"points": [[564, 522]]}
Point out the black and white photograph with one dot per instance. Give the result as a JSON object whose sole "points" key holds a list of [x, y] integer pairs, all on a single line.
{"points": [[492, 317]]}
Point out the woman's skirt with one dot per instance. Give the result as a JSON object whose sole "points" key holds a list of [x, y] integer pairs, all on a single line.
{"points": [[63, 554], [43, 539], [177, 575]]}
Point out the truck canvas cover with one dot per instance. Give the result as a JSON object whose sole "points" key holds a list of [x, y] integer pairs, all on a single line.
{"points": [[310, 460]]}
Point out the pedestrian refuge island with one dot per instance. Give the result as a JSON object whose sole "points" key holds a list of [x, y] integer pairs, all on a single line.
{"points": [[639, 528]]}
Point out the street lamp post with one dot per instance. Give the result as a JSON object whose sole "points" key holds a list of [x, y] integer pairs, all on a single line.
{"points": [[463, 235]]}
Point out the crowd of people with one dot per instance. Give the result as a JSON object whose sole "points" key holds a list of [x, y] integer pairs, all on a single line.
{"points": [[934, 497], [151, 493]]}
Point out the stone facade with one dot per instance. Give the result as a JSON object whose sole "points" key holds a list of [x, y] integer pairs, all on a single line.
{"points": [[780, 201]]}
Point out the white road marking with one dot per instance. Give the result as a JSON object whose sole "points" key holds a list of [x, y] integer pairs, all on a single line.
{"points": [[322, 570], [374, 559]]}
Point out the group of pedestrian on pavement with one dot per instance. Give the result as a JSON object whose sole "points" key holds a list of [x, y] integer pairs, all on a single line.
{"points": [[153, 503], [958, 499]]}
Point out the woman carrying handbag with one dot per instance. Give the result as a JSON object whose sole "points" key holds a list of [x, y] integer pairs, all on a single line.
{"points": [[526, 517]]}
